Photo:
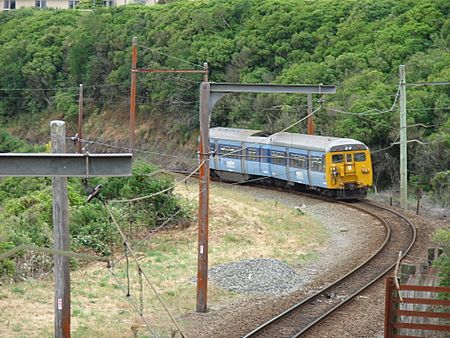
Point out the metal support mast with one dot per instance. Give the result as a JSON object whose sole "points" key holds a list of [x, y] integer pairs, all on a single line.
{"points": [[210, 94], [403, 142]]}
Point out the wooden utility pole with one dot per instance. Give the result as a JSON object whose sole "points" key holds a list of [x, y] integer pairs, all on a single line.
{"points": [[203, 211], [61, 237], [403, 142], [133, 94], [59, 166], [80, 120], [310, 125]]}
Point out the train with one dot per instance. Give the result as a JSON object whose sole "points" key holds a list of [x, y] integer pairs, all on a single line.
{"points": [[334, 167]]}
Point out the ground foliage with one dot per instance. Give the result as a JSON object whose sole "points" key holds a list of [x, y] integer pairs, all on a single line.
{"points": [[357, 45]]}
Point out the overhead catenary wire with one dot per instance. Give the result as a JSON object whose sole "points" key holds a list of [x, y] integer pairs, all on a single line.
{"points": [[169, 56], [268, 138], [161, 191], [135, 149], [370, 112], [100, 85]]}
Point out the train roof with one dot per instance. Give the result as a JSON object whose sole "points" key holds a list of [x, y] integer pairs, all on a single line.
{"points": [[314, 142]]}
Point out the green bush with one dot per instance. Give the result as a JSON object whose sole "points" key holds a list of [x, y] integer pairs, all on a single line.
{"points": [[149, 212], [7, 267], [90, 228]]}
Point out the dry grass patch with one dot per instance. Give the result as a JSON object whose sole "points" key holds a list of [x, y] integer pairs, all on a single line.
{"points": [[241, 227]]}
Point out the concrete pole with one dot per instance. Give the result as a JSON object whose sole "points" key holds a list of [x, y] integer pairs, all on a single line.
{"points": [[61, 237], [203, 210], [133, 95], [80, 119], [206, 68], [403, 142], [310, 124]]}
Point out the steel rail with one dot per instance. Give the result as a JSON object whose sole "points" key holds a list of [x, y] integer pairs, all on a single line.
{"points": [[348, 298]]}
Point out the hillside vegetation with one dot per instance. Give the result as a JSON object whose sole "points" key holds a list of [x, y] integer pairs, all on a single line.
{"points": [[358, 45]]}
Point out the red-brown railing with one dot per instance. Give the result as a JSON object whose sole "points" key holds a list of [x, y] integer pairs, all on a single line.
{"points": [[392, 311]]}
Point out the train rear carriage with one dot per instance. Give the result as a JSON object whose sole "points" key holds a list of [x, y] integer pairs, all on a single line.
{"points": [[334, 166]]}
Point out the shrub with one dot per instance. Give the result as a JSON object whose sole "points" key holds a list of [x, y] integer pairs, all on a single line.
{"points": [[7, 267]]}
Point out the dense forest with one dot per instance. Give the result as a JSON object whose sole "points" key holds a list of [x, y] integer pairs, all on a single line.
{"points": [[357, 45]]}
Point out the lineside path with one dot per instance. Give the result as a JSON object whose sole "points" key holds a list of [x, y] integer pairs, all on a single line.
{"points": [[298, 319]]}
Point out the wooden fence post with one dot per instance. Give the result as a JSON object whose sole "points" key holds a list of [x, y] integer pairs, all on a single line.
{"points": [[389, 308]]}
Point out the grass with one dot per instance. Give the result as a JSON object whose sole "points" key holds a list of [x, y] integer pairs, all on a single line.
{"points": [[241, 227]]}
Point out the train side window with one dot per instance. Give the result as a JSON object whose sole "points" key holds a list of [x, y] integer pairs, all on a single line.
{"points": [[297, 161], [349, 158], [253, 154], [228, 151], [278, 157], [212, 147], [337, 158], [316, 164], [360, 157]]}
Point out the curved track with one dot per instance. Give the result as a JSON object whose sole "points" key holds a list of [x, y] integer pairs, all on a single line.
{"points": [[400, 236]]}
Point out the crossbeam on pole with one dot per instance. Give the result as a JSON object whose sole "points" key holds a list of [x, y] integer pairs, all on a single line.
{"points": [[189, 71], [272, 88], [65, 165], [219, 90]]}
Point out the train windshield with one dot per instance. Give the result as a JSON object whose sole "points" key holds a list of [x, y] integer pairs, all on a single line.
{"points": [[337, 158], [360, 157]]}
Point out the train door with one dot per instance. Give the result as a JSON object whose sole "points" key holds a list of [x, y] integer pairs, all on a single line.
{"points": [[349, 167], [252, 157], [298, 166], [278, 159], [316, 169], [264, 163]]}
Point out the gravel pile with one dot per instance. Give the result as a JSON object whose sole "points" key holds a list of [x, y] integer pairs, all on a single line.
{"points": [[258, 276]]}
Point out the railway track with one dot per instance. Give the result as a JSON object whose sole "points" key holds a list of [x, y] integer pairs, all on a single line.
{"points": [[295, 321]]}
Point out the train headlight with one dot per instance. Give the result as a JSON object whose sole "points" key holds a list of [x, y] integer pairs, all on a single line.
{"points": [[334, 171], [365, 170]]}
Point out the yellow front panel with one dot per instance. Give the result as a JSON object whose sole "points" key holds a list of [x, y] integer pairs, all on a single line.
{"points": [[358, 172]]}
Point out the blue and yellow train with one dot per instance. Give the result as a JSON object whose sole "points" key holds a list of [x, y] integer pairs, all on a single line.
{"points": [[336, 167]]}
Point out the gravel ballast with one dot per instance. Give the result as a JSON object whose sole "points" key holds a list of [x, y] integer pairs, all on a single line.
{"points": [[257, 276]]}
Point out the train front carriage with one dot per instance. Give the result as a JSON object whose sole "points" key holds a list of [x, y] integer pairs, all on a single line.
{"points": [[349, 168]]}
